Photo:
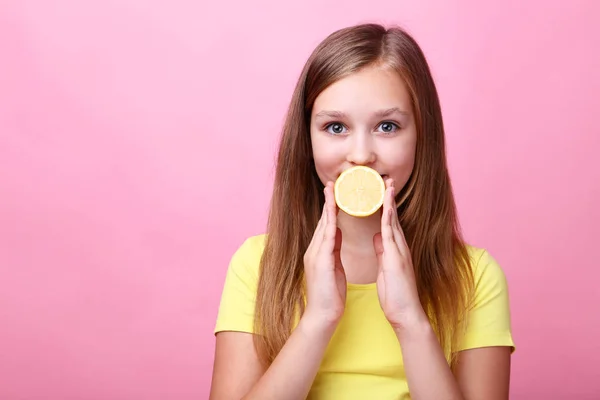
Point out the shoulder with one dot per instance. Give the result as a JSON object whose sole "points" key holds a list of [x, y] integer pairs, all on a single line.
{"points": [[251, 248], [489, 320], [236, 309], [490, 296], [245, 260], [486, 270]]}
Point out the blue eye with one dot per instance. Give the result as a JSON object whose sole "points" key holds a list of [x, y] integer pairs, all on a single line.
{"points": [[335, 128], [388, 127]]}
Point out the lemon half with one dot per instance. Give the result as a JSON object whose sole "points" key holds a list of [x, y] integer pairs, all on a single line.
{"points": [[359, 191]]}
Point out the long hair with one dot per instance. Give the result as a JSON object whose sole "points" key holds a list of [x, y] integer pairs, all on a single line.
{"points": [[426, 206]]}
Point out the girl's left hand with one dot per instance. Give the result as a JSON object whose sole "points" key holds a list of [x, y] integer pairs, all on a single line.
{"points": [[396, 284]]}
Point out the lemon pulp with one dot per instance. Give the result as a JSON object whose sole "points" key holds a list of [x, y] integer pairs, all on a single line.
{"points": [[359, 191]]}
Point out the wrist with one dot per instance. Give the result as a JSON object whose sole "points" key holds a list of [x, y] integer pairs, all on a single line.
{"points": [[321, 325], [415, 325]]}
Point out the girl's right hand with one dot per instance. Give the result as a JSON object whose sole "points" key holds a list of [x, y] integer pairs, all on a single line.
{"points": [[325, 277]]}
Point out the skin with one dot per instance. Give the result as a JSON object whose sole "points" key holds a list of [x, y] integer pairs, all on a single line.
{"points": [[363, 119]]}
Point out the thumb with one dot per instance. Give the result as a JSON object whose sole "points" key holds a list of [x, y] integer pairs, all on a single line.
{"points": [[338, 241], [378, 245], [337, 249]]}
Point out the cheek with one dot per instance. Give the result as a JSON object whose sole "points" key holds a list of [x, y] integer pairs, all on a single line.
{"points": [[327, 158], [326, 163], [400, 162]]}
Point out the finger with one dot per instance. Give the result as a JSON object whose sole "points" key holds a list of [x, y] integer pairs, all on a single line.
{"points": [[333, 202], [331, 220], [337, 249], [399, 235], [332, 215], [396, 228], [378, 245], [387, 234], [321, 220], [395, 221], [326, 205], [317, 237]]}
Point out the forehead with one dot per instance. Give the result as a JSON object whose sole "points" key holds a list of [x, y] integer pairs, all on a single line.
{"points": [[369, 89]]}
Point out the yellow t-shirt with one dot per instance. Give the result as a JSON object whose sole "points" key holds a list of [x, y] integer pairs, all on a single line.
{"points": [[363, 359]]}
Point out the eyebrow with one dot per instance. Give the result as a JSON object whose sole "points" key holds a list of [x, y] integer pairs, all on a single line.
{"points": [[380, 113]]}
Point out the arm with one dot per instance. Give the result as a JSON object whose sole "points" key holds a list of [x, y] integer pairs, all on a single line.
{"points": [[483, 371], [236, 366], [238, 373], [481, 374], [427, 371]]}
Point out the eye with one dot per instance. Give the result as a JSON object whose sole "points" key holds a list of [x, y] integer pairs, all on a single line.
{"points": [[335, 128], [388, 127]]}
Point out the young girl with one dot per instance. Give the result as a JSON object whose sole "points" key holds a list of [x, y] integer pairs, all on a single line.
{"points": [[391, 306]]}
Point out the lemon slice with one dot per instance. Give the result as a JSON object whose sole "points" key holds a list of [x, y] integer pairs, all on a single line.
{"points": [[359, 191]]}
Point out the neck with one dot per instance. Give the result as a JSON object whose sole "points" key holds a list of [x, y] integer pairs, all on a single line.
{"points": [[358, 253], [357, 233]]}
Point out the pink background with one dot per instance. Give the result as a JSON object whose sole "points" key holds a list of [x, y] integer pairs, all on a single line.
{"points": [[127, 179]]}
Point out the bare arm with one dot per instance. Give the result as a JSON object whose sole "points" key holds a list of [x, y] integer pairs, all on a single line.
{"points": [[481, 373], [427, 371], [238, 373], [484, 373], [236, 367]]}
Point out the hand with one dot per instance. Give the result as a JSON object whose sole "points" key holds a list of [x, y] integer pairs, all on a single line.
{"points": [[325, 277], [396, 284]]}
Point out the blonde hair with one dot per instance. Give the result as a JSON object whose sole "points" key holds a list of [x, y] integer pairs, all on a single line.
{"points": [[426, 210]]}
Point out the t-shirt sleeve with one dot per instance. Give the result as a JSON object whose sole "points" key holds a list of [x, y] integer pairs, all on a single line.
{"points": [[488, 322], [236, 309]]}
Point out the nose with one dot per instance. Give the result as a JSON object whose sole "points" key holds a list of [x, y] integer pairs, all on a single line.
{"points": [[361, 151]]}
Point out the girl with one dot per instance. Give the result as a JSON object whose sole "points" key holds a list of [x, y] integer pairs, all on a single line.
{"points": [[392, 306]]}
